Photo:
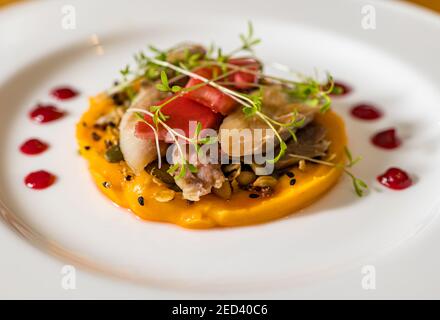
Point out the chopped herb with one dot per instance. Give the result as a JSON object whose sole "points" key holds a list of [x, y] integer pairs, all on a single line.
{"points": [[114, 154], [160, 173]]}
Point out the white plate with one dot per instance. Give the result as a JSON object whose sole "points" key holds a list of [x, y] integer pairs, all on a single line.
{"points": [[317, 253]]}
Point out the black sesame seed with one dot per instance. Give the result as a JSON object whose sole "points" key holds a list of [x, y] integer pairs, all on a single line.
{"points": [[87, 148], [128, 178], [84, 124], [290, 174], [141, 201], [111, 124], [292, 182], [106, 184], [254, 196], [96, 136]]}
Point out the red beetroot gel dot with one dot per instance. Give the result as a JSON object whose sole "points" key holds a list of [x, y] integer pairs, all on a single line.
{"points": [[366, 112], [64, 93], [46, 113], [386, 139], [33, 146], [395, 179], [39, 180]]}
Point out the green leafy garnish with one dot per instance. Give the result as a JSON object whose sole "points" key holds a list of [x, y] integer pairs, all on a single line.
{"points": [[313, 93], [248, 40], [359, 185], [191, 60], [164, 86], [351, 161], [125, 72], [257, 101]]}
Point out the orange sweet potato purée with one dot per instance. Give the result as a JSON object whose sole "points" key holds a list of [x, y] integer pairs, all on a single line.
{"points": [[211, 211]]}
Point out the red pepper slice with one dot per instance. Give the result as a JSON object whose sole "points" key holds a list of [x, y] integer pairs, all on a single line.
{"points": [[243, 79], [180, 112], [208, 95]]}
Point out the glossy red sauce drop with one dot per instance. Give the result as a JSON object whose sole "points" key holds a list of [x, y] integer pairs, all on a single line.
{"points": [[386, 139], [340, 89], [64, 93], [33, 147], [46, 113], [395, 178], [366, 112], [39, 180]]}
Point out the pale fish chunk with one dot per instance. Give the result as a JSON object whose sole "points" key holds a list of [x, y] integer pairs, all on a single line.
{"points": [[138, 152]]}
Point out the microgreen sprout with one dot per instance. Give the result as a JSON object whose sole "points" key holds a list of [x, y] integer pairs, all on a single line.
{"points": [[125, 72], [248, 41], [164, 86], [351, 161], [360, 187], [312, 93], [191, 60], [160, 55]]}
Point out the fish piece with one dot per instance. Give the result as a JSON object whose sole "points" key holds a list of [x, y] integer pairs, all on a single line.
{"points": [[275, 105], [138, 152]]}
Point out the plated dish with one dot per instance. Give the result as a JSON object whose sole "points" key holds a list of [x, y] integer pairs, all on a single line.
{"points": [[320, 251], [203, 138]]}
